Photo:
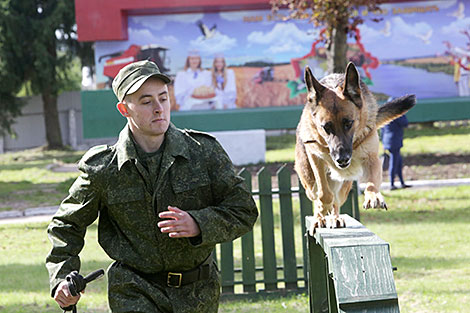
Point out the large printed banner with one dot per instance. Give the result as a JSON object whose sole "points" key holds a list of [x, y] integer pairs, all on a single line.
{"points": [[243, 59]]}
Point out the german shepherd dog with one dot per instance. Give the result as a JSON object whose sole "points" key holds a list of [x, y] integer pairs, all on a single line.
{"points": [[337, 142]]}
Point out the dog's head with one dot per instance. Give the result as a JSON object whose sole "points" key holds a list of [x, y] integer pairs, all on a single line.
{"points": [[335, 110]]}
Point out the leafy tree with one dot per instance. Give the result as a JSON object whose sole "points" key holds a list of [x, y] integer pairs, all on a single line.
{"points": [[38, 43], [339, 17], [10, 106]]}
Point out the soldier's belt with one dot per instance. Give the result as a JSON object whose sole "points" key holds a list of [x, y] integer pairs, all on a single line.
{"points": [[177, 279]]}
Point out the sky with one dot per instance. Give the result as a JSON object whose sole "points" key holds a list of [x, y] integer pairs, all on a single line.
{"points": [[243, 36]]}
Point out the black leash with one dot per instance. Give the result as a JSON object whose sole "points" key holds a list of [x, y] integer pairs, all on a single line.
{"points": [[77, 284]]}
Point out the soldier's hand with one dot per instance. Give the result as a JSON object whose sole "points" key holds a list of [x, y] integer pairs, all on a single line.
{"points": [[63, 297], [179, 223]]}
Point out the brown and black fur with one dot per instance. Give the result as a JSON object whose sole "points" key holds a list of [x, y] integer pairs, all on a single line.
{"points": [[337, 142]]}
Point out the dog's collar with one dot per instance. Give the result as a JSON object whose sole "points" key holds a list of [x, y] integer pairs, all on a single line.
{"points": [[359, 142], [323, 148], [309, 141]]}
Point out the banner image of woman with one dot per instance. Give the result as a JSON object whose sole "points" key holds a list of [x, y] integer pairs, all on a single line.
{"points": [[193, 88], [223, 81], [254, 58]]}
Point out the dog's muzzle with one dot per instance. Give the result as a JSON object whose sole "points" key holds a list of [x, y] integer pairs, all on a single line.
{"points": [[342, 157], [343, 163]]}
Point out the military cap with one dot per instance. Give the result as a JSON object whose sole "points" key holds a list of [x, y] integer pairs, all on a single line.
{"points": [[132, 76]]}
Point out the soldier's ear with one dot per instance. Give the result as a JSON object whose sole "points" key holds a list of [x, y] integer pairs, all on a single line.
{"points": [[122, 109]]}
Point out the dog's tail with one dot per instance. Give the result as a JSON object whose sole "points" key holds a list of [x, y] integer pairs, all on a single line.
{"points": [[394, 109]]}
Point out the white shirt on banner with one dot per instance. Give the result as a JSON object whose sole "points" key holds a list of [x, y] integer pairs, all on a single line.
{"points": [[186, 82], [227, 96]]}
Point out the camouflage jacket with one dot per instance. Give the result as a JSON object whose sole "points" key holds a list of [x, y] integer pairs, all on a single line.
{"points": [[196, 175]]}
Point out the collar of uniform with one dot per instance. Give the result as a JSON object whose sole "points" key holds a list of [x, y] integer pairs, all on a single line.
{"points": [[175, 145], [125, 147]]}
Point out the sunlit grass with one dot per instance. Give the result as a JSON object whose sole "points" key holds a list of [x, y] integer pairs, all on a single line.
{"points": [[417, 141], [27, 180], [428, 231]]}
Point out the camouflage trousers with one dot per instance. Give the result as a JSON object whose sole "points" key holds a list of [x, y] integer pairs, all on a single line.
{"points": [[128, 292]]}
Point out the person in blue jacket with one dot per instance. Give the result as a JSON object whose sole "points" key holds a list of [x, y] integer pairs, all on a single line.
{"points": [[392, 139]]}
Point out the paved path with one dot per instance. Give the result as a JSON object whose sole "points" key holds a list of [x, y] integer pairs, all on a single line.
{"points": [[28, 219], [44, 214], [29, 215], [427, 183]]}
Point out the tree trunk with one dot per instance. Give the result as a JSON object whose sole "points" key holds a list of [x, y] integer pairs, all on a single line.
{"points": [[51, 120], [336, 49]]}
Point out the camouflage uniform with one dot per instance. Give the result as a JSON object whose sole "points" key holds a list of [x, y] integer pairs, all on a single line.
{"points": [[195, 175]]}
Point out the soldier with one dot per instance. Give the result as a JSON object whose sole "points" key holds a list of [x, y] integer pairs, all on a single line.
{"points": [[164, 198]]}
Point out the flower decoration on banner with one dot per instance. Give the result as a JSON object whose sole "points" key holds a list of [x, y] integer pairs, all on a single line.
{"points": [[316, 60]]}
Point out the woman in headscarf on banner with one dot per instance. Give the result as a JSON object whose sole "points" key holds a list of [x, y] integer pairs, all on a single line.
{"points": [[192, 83], [223, 80]]}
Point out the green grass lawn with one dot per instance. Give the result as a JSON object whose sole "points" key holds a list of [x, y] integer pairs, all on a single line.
{"points": [[429, 233], [417, 141], [437, 140], [26, 179], [428, 230]]}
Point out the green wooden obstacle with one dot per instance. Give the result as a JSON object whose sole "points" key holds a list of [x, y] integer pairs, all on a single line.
{"points": [[272, 261], [350, 270]]}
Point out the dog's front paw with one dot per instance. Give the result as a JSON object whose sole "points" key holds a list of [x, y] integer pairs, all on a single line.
{"points": [[318, 222], [374, 200], [329, 221], [334, 221]]}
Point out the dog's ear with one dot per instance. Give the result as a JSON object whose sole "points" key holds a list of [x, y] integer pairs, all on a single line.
{"points": [[312, 84], [351, 88]]}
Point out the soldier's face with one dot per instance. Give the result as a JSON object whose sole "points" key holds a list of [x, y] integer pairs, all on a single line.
{"points": [[148, 109]]}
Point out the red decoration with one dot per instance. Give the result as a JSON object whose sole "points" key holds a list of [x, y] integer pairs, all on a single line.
{"points": [[371, 63], [107, 20]]}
